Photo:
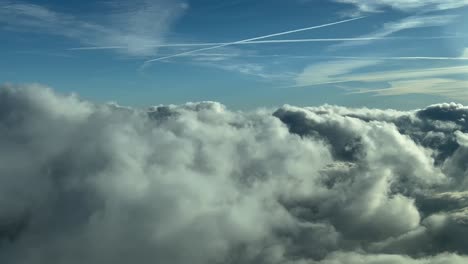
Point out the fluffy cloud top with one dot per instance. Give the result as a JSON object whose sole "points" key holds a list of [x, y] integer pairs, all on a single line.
{"points": [[197, 183]]}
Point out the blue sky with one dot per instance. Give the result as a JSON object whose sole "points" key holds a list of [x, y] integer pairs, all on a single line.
{"points": [[379, 53]]}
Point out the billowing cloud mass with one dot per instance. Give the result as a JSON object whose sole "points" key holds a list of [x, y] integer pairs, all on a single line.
{"points": [[197, 183]]}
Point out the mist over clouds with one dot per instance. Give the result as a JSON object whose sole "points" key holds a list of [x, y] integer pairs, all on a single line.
{"points": [[197, 183]]}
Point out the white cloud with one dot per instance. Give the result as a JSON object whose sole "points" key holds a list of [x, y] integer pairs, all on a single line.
{"points": [[345, 71], [405, 5], [329, 72], [465, 53], [462, 139], [407, 74], [439, 81], [353, 258], [137, 26], [412, 22], [451, 88], [198, 183]]}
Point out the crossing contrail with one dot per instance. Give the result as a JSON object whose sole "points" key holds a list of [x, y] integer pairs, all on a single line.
{"points": [[251, 39], [273, 41]]}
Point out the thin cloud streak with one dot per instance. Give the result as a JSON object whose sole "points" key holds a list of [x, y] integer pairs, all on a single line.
{"points": [[251, 39]]}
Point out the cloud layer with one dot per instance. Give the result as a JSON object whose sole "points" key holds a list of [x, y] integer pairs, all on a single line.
{"points": [[197, 183]]}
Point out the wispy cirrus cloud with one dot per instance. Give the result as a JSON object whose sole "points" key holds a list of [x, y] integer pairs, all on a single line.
{"points": [[346, 71], [447, 87], [331, 72], [405, 5], [412, 22], [418, 9], [259, 70], [137, 27], [244, 62], [440, 81]]}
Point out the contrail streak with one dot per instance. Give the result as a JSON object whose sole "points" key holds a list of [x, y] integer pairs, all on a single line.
{"points": [[250, 39], [400, 58], [370, 57], [337, 39], [170, 45], [240, 43]]}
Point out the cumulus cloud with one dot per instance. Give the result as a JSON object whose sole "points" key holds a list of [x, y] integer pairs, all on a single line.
{"points": [[198, 183]]}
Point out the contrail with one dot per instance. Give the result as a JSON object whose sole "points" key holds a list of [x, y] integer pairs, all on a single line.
{"points": [[251, 39], [371, 57], [338, 39], [399, 58], [148, 46], [170, 45]]}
